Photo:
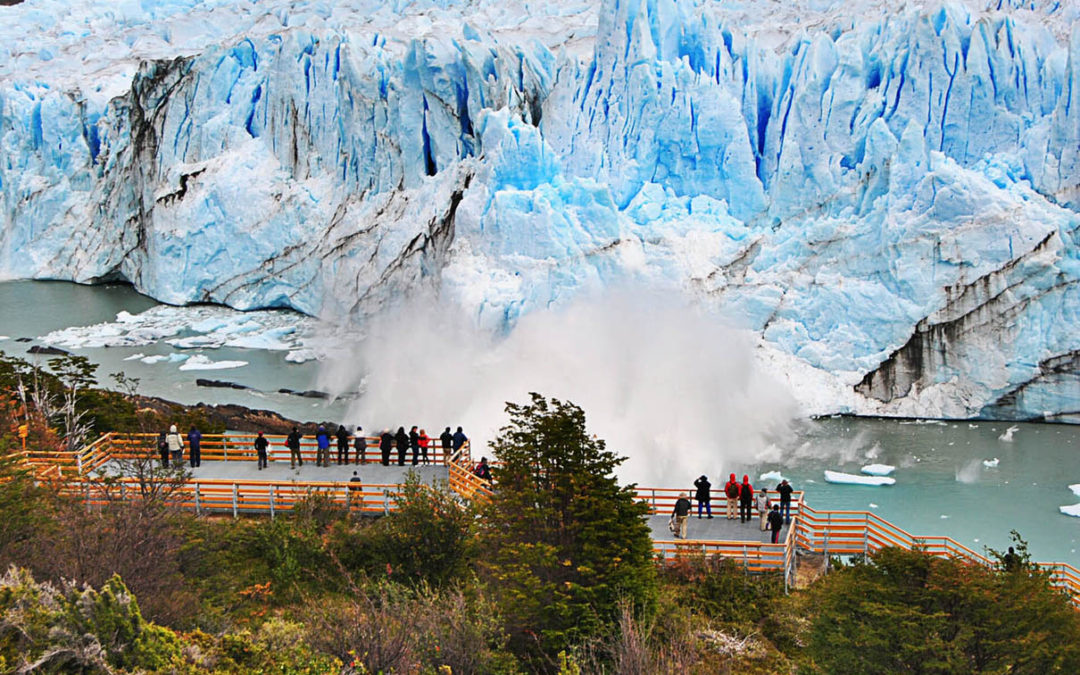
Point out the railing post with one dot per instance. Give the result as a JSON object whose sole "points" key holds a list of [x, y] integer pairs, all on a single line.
{"points": [[866, 536], [235, 491], [271, 502], [198, 506], [386, 502]]}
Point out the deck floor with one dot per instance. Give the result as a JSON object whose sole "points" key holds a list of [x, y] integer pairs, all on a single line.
{"points": [[279, 471], [717, 529]]}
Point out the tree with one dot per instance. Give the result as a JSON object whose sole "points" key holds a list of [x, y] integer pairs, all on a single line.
{"points": [[908, 612], [562, 542]]}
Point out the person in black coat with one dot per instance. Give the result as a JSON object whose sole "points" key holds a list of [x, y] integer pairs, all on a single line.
{"points": [[447, 439], [293, 443], [260, 448], [785, 490], [459, 439], [402, 439], [342, 444], [703, 495], [776, 523], [386, 443], [746, 500], [679, 515], [414, 443]]}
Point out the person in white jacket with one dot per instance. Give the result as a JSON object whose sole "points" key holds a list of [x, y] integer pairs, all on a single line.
{"points": [[175, 444], [762, 502]]}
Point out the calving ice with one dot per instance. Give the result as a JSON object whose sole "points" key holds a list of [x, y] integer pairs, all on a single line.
{"points": [[883, 195]]}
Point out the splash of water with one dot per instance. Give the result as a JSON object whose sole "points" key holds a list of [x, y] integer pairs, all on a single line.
{"points": [[672, 389]]}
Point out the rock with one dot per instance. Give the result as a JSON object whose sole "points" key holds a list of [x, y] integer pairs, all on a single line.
{"points": [[220, 384], [50, 351]]}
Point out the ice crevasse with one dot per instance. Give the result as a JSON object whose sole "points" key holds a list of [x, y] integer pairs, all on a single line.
{"points": [[886, 195]]}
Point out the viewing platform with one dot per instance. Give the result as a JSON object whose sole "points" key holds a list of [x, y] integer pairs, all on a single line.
{"points": [[228, 482]]}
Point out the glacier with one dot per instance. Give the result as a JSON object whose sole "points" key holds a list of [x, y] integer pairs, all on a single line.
{"points": [[886, 195]]}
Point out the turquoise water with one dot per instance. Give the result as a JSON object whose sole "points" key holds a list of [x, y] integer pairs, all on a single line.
{"points": [[939, 465], [942, 486], [34, 308]]}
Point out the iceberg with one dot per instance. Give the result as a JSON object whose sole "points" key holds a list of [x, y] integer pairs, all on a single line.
{"points": [[878, 469], [200, 362], [855, 479], [886, 196], [1072, 510], [771, 476]]}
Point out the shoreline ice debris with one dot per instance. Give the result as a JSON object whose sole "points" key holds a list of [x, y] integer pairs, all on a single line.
{"points": [[990, 463], [878, 469], [855, 479], [200, 362], [1008, 435]]}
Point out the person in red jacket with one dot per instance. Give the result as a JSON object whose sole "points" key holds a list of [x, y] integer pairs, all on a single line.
{"points": [[746, 500], [731, 490]]}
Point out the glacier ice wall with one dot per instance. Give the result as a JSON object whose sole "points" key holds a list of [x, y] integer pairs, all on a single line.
{"points": [[888, 197]]}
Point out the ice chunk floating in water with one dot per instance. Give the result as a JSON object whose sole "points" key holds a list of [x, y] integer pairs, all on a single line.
{"points": [[200, 362], [878, 469], [855, 479], [1008, 435], [771, 475], [990, 463], [1073, 510]]}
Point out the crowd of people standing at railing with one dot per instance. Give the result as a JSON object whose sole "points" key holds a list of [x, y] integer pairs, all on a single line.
{"points": [[171, 446], [738, 496]]}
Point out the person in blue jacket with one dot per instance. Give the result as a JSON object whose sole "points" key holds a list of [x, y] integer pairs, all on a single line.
{"points": [[194, 439], [322, 442], [459, 439]]}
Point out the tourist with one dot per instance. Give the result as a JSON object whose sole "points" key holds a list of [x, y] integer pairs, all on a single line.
{"points": [[761, 501], [731, 491], [414, 443], [360, 444], [402, 439], [703, 495], [354, 482], [681, 514], [785, 491], [459, 439], [1010, 561], [260, 448], [342, 445], [776, 522], [746, 499], [447, 439], [424, 441], [386, 443], [163, 448], [176, 446], [322, 447], [482, 469], [194, 439], [293, 443]]}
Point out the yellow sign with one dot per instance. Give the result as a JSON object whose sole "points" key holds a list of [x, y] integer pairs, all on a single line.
{"points": [[24, 430]]}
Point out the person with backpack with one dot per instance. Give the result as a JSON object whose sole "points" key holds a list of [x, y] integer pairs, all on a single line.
{"points": [[763, 504], [776, 522], [746, 499], [731, 491], [260, 449], [293, 443], [424, 442], [703, 495], [680, 514], [482, 469], [163, 449]]}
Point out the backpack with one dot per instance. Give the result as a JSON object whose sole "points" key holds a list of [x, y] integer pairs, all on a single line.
{"points": [[731, 489]]}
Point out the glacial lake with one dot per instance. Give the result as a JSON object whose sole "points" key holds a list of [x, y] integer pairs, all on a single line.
{"points": [[942, 485]]}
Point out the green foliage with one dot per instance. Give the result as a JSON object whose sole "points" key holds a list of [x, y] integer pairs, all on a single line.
{"points": [[428, 539], [292, 551], [562, 541], [907, 612], [70, 630], [720, 589]]}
